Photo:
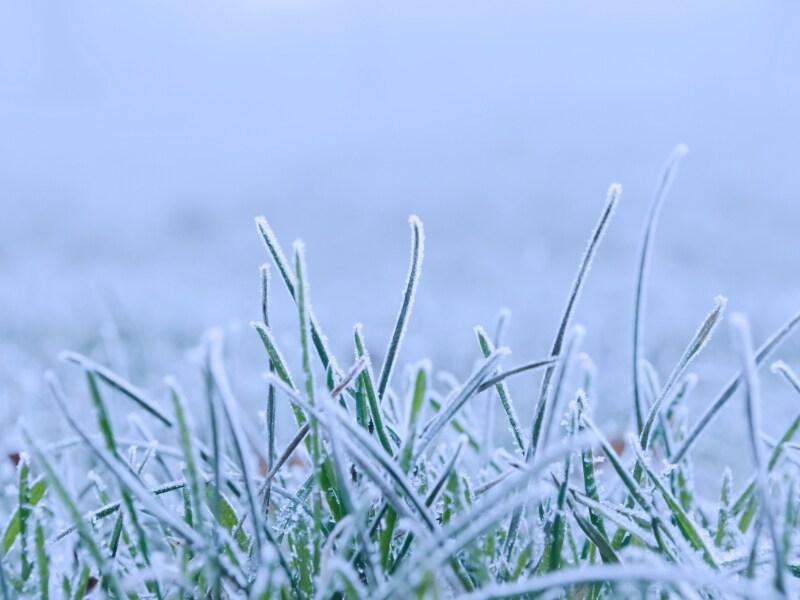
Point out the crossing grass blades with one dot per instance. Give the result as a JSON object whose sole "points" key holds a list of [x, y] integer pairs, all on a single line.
{"points": [[392, 485]]}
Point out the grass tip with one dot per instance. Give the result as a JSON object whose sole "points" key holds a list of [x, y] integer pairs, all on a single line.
{"points": [[779, 366]]}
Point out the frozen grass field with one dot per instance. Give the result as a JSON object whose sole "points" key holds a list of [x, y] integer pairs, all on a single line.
{"points": [[393, 482], [137, 144]]}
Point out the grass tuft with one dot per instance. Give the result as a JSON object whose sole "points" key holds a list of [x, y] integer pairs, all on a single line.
{"points": [[396, 484]]}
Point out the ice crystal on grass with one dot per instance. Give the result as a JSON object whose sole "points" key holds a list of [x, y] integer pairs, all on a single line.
{"points": [[396, 485]]}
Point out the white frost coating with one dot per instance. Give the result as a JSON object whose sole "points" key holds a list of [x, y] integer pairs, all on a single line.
{"points": [[274, 248], [740, 330], [659, 193], [409, 293], [698, 342]]}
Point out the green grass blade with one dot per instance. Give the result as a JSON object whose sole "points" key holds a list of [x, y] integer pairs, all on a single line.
{"points": [[721, 537], [118, 383], [487, 347], [24, 514], [122, 472], [182, 419], [412, 280], [698, 342], [286, 271], [12, 530], [612, 199], [83, 528], [303, 306], [457, 399], [663, 185], [43, 563], [686, 525], [373, 399], [230, 410]]}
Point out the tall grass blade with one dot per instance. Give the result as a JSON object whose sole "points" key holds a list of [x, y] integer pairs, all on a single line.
{"points": [[612, 199], [740, 329], [663, 185], [412, 280], [289, 279]]}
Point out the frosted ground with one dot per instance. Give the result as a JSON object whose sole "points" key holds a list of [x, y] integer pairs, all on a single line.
{"points": [[137, 147]]}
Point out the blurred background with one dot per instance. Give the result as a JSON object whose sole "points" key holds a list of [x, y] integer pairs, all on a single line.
{"points": [[138, 141]]}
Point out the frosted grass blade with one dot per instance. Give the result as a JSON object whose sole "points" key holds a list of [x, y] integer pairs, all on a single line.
{"points": [[373, 399], [230, 410], [692, 350], [122, 472], [119, 384], [663, 185], [740, 329], [626, 573], [303, 308], [487, 347], [412, 280], [83, 529], [286, 271], [612, 199], [686, 524], [457, 400]]}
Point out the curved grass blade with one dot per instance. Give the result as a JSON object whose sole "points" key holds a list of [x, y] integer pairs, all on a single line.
{"points": [[663, 185], [745, 504], [633, 487], [190, 457], [412, 280], [467, 526], [612, 199], [366, 451], [572, 344]]}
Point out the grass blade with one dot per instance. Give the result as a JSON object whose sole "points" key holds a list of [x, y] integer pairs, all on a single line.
{"points": [[692, 350], [740, 330], [412, 280], [487, 347], [612, 199], [286, 271], [663, 185], [119, 384]]}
